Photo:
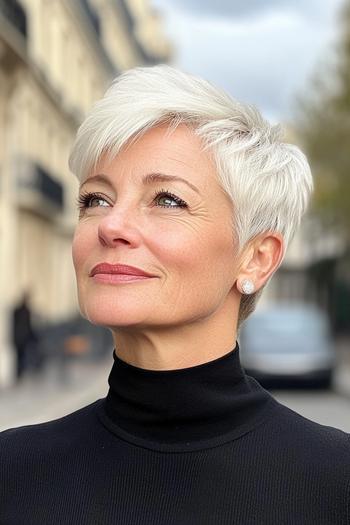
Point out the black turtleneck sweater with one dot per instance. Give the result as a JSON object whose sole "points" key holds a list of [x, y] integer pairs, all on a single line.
{"points": [[196, 446]]}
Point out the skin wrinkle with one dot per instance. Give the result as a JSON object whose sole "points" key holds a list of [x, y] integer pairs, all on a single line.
{"points": [[187, 315]]}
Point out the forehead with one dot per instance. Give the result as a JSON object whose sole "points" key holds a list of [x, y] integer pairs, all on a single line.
{"points": [[176, 151]]}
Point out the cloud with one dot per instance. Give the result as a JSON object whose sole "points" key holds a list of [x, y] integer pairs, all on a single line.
{"points": [[249, 8], [264, 60]]}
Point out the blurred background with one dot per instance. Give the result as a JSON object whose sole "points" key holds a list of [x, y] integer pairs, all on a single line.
{"points": [[291, 59]]}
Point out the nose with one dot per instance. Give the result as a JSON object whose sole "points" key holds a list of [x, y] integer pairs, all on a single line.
{"points": [[120, 227]]}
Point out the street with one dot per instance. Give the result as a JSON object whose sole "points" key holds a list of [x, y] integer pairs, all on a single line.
{"points": [[326, 407]]}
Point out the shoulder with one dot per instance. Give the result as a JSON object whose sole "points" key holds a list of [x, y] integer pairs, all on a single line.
{"points": [[307, 429], [38, 438], [311, 446], [51, 455]]}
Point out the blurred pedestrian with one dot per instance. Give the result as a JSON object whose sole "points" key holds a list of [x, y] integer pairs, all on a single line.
{"points": [[24, 336]]}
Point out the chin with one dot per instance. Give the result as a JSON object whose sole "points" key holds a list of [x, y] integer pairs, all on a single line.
{"points": [[113, 316]]}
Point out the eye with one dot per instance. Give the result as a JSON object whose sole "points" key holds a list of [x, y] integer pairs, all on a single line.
{"points": [[91, 200], [163, 198], [166, 199]]}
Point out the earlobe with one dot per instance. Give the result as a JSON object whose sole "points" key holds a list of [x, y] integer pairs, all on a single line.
{"points": [[265, 256], [246, 286]]}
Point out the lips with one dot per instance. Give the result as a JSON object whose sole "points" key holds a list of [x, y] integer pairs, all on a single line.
{"points": [[118, 269]]}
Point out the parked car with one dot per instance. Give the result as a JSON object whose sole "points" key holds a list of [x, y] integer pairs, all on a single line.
{"points": [[288, 343]]}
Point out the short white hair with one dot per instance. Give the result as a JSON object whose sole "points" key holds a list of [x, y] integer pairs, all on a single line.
{"points": [[268, 181]]}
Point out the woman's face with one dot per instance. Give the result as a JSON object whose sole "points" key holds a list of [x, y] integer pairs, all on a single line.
{"points": [[156, 206]]}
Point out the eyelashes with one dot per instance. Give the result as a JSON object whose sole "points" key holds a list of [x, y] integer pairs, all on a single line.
{"points": [[169, 199], [167, 195], [84, 200]]}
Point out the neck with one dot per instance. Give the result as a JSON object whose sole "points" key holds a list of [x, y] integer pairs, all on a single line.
{"points": [[172, 348], [186, 409]]}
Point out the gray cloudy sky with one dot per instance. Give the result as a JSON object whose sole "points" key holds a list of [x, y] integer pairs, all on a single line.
{"points": [[261, 51]]}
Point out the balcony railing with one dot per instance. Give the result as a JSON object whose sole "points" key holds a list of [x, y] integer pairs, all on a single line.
{"points": [[37, 188], [85, 10], [145, 56], [129, 19], [93, 17], [48, 187], [13, 11]]}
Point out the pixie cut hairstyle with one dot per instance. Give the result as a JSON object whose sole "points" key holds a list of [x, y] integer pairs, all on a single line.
{"points": [[268, 181]]}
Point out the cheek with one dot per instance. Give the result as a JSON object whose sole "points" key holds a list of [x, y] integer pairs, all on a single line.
{"points": [[81, 246], [189, 250], [175, 249]]}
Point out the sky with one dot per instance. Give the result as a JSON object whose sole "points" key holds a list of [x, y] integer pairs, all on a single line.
{"points": [[263, 52]]}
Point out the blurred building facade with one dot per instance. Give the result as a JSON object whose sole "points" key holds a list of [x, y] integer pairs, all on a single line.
{"points": [[316, 267], [56, 58]]}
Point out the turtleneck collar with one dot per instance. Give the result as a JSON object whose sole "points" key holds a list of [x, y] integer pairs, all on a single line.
{"points": [[185, 409]]}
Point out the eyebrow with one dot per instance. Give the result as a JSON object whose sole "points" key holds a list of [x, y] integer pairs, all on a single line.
{"points": [[150, 178]]}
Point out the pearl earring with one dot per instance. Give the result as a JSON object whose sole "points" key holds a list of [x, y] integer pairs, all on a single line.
{"points": [[247, 286]]}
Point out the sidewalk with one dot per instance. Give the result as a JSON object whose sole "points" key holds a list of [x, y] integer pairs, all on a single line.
{"points": [[54, 394], [342, 346]]}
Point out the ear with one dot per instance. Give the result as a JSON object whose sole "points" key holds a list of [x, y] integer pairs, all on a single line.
{"points": [[261, 258]]}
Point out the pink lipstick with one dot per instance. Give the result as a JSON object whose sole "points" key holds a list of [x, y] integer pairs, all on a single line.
{"points": [[118, 273]]}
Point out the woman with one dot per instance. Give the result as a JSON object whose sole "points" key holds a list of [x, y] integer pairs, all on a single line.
{"points": [[187, 202]]}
